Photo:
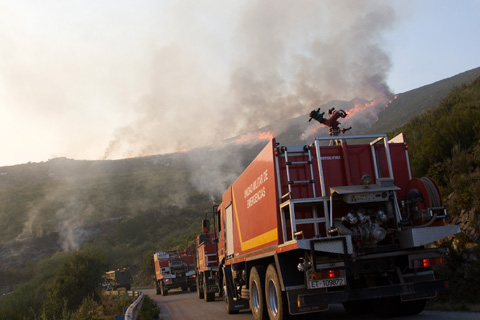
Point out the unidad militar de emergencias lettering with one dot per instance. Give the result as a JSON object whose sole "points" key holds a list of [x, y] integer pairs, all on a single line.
{"points": [[258, 195]]}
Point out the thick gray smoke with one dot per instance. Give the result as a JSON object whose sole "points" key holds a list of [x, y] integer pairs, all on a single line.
{"points": [[67, 211], [287, 58], [228, 73], [300, 57]]}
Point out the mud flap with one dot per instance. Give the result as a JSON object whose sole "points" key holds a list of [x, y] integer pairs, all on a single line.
{"points": [[232, 299], [294, 307]]}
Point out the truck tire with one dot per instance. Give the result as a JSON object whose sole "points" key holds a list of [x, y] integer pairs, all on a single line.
{"points": [[157, 288], [163, 290], [257, 293], [228, 300], [410, 308], [277, 304], [209, 296], [199, 288]]}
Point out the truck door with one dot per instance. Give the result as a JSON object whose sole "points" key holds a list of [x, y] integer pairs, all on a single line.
{"points": [[229, 227]]}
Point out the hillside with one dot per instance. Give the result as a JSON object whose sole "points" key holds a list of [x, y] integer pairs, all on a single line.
{"points": [[444, 144], [130, 208], [61, 204], [67, 201], [414, 102]]}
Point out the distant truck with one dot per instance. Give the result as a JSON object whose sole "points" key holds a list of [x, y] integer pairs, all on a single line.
{"points": [[174, 269], [206, 264], [120, 278]]}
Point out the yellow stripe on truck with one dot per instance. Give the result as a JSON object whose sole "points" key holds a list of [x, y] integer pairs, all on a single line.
{"points": [[264, 238]]}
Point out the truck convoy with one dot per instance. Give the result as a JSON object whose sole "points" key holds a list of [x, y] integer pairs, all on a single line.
{"points": [[341, 220], [174, 269]]}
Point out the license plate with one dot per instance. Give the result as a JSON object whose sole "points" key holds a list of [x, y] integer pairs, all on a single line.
{"points": [[326, 283]]}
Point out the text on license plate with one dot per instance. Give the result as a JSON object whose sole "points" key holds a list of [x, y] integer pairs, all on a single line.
{"points": [[325, 283]]}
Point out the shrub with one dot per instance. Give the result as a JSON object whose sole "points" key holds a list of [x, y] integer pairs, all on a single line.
{"points": [[75, 280]]}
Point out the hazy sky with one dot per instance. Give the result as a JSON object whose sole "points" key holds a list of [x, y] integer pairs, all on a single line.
{"points": [[111, 79]]}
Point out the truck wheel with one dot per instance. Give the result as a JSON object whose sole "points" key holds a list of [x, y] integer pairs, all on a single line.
{"points": [[209, 296], [157, 289], [199, 288], [410, 308], [276, 299], [228, 300], [163, 290], [257, 296], [387, 307]]}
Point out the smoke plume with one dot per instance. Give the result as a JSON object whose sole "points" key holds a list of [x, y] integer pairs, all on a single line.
{"points": [[287, 58]]}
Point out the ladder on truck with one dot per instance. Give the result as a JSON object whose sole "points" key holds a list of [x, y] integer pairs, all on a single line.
{"points": [[378, 138], [289, 203]]}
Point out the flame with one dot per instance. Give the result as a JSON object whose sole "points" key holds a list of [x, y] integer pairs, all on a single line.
{"points": [[183, 149], [266, 135], [394, 98], [358, 107]]}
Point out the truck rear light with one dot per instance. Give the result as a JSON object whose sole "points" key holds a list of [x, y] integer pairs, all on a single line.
{"points": [[300, 301], [167, 280], [429, 262], [326, 274]]}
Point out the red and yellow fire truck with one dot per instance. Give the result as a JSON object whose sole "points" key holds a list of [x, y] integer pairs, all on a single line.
{"points": [[341, 220], [174, 269]]}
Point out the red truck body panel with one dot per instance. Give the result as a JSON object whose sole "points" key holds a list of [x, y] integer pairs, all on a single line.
{"points": [[207, 256], [253, 197], [251, 206]]}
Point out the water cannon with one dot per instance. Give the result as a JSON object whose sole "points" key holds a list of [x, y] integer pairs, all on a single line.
{"points": [[332, 121], [315, 114]]}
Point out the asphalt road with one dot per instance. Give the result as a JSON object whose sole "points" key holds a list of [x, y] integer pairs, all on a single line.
{"points": [[186, 306]]}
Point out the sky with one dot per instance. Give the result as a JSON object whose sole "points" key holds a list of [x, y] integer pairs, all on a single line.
{"points": [[93, 80]]}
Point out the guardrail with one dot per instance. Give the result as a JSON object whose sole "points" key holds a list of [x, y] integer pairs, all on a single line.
{"points": [[129, 293], [132, 311]]}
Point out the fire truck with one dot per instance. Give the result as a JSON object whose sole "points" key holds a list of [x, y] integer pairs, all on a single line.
{"points": [[341, 220], [208, 276], [174, 269]]}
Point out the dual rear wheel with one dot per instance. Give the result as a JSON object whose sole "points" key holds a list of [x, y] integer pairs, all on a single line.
{"points": [[267, 300]]}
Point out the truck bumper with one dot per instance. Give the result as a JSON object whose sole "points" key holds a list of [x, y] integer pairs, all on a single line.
{"points": [[177, 283], [304, 300]]}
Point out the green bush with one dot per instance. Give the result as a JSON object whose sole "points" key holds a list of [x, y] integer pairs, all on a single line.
{"points": [[89, 310], [149, 310], [76, 279]]}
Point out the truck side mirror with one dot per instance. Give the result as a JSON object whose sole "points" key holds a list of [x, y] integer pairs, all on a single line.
{"points": [[206, 226]]}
